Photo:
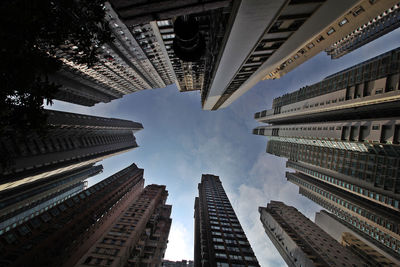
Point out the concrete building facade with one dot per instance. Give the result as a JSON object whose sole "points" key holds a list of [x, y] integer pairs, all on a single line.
{"points": [[340, 135], [372, 84], [343, 130], [283, 35], [138, 236], [22, 203], [219, 238], [133, 61], [364, 251], [116, 222], [227, 59], [375, 220], [73, 141], [300, 241], [335, 227], [64, 233], [384, 23]]}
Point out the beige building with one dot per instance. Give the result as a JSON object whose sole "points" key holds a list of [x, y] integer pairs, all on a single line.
{"points": [[229, 46], [284, 34], [367, 253], [300, 241], [375, 220], [335, 227], [375, 28]]}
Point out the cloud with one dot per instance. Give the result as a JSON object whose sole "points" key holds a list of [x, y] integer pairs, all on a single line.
{"points": [[268, 182], [180, 245]]}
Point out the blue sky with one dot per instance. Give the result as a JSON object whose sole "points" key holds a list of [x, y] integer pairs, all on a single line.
{"points": [[180, 141]]}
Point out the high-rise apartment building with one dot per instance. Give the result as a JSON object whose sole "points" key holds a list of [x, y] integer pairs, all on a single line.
{"points": [[207, 45], [73, 141], [219, 239], [196, 75], [364, 251], [344, 130], [335, 227], [377, 221], [300, 241], [182, 263], [21, 203], [116, 222], [139, 234], [65, 232], [375, 28], [369, 85], [133, 61], [269, 39], [205, 21], [341, 135], [223, 59]]}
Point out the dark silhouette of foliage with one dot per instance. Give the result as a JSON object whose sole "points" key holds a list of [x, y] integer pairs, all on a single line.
{"points": [[32, 36]]}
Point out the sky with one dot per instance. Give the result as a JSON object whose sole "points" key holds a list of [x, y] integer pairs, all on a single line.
{"points": [[180, 142]]}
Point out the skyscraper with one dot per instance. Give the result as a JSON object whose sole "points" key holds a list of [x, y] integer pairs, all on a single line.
{"points": [[376, 220], [327, 130], [203, 25], [375, 28], [341, 135], [73, 141], [196, 74], [115, 222], [139, 234], [21, 203], [219, 239], [269, 39], [212, 49], [364, 251], [335, 227], [133, 61], [300, 241]]}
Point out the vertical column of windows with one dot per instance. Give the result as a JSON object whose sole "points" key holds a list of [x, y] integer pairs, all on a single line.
{"points": [[348, 209]]}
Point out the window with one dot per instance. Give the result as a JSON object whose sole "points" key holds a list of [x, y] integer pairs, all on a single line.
{"points": [[220, 255], [330, 31], [375, 127], [310, 45], [219, 247], [343, 21], [357, 11], [235, 257], [163, 23], [320, 39], [233, 249]]}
